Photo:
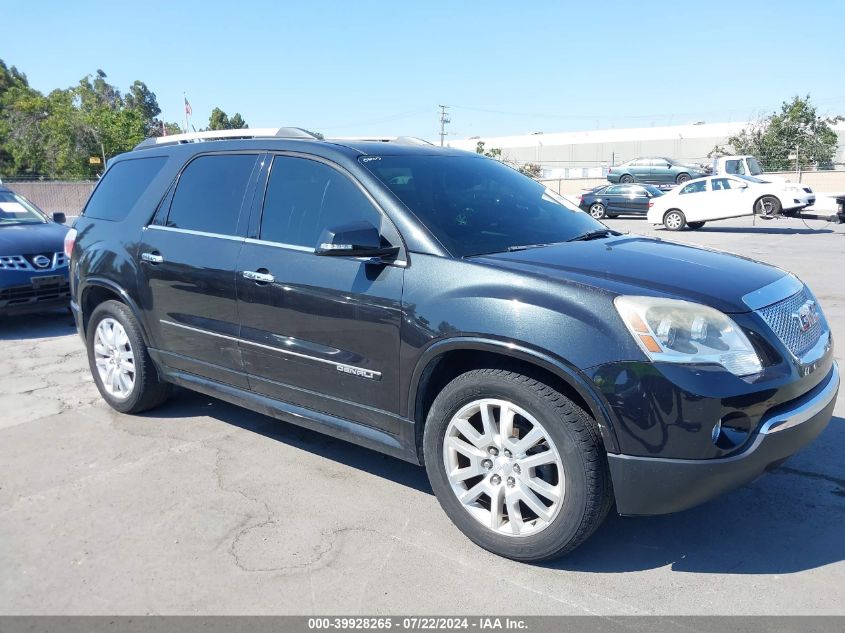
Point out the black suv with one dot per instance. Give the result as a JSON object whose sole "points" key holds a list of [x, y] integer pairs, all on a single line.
{"points": [[440, 307]]}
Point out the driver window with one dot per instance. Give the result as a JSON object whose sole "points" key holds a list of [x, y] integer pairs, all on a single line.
{"points": [[304, 197]]}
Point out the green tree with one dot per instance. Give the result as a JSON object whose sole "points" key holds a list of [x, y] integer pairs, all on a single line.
{"points": [[219, 120], [237, 122], [796, 130]]}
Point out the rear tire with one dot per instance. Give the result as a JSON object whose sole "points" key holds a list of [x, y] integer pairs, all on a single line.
{"points": [[674, 220], [491, 470], [695, 225], [122, 368], [627, 178], [597, 210]]}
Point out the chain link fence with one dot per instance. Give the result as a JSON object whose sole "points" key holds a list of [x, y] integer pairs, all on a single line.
{"points": [[51, 196]]}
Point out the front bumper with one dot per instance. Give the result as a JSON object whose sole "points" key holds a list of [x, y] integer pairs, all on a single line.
{"points": [[649, 485]]}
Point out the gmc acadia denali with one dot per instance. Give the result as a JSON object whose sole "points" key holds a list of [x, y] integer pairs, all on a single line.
{"points": [[442, 308]]}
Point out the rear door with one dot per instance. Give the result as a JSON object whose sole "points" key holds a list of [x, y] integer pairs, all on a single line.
{"points": [[613, 198], [188, 257], [317, 331], [694, 201]]}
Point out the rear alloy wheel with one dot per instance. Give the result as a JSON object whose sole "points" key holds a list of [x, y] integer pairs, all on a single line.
{"points": [[695, 225], [682, 178], [627, 178], [122, 368], [674, 220], [767, 206], [518, 467], [597, 210]]}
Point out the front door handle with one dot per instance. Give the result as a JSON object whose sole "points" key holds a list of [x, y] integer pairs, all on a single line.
{"points": [[254, 275], [153, 258]]}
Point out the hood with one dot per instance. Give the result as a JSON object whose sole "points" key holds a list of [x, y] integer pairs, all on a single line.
{"points": [[29, 239], [637, 265]]}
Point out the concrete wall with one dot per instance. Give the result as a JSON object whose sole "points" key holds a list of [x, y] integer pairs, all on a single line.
{"points": [[53, 196]]}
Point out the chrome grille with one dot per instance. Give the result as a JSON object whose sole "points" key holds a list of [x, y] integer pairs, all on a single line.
{"points": [[782, 318], [14, 262], [25, 262]]}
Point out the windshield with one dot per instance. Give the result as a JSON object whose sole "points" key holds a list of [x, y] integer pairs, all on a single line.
{"points": [[754, 167], [750, 178], [15, 209], [477, 205]]}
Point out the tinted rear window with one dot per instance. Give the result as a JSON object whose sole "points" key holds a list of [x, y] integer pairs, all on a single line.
{"points": [[121, 187], [210, 193]]}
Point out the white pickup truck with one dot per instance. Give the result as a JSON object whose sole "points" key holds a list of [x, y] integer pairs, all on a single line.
{"points": [[791, 196]]}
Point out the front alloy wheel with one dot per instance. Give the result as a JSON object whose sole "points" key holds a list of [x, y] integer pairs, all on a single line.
{"points": [[503, 467], [517, 466]]}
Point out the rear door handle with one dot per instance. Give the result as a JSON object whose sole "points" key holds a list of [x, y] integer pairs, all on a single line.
{"points": [[254, 275], [153, 258]]}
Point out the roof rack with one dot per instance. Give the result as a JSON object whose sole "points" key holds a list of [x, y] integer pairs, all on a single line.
{"points": [[213, 135], [408, 140]]}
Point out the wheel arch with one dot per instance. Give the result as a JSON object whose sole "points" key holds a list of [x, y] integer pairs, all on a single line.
{"points": [[95, 291], [447, 359]]}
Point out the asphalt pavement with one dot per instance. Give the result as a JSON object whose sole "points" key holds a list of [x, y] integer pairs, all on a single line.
{"points": [[201, 507]]}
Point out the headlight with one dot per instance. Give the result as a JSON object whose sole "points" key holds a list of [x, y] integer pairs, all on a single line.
{"points": [[675, 331]]}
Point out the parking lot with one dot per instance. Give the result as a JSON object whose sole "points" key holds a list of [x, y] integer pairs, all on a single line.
{"points": [[202, 507]]}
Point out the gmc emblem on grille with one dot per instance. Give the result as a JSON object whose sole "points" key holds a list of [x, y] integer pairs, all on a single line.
{"points": [[807, 316]]}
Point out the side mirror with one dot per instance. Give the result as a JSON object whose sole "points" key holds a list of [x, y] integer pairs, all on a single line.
{"points": [[59, 217], [359, 239]]}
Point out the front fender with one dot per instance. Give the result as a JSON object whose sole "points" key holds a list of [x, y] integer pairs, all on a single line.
{"points": [[569, 374]]}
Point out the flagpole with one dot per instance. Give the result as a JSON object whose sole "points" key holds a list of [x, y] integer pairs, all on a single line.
{"points": [[185, 108]]}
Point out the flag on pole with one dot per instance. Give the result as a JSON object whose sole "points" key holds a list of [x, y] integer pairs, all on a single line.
{"points": [[188, 110]]}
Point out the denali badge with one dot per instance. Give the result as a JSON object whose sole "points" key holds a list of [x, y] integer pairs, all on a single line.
{"points": [[807, 315], [41, 261], [361, 373]]}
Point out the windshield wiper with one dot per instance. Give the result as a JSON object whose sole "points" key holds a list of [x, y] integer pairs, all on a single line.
{"points": [[525, 247], [594, 235]]}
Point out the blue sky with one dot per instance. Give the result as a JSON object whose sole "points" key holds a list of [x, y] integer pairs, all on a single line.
{"points": [[364, 67]]}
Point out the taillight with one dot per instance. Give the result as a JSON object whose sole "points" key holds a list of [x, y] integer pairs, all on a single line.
{"points": [[581, 200], [609, 169], [650, 205], [70, 240]]}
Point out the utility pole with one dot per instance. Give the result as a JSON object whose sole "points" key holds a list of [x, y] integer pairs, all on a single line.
{"points": [[444, 119]]}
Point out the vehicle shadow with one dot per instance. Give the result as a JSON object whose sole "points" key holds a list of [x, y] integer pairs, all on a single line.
{"points": [[33, 326], [787, 521], [185, 403], [774, 230]]}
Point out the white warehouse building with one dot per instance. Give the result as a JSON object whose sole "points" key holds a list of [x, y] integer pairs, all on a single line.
{"points": [[588, 154]]}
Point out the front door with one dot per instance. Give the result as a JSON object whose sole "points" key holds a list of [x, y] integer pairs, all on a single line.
{"points": [[317, 331], [188, 257]]}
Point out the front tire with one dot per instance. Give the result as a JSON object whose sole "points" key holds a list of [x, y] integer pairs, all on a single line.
{"points": [[597, 210], [767, 206], [518, 467], [674, 220], [682, 178], [122, 368]]}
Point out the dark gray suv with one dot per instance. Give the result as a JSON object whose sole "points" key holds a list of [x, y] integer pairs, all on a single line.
{"points": [[442, 308]]}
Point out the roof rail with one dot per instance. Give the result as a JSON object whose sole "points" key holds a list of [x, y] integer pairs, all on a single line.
{"points": [[213, 135], [408, 140]]}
